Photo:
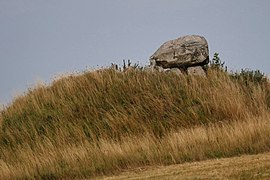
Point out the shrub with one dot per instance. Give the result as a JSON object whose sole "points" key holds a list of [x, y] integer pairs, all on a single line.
{"points": [[217, 64], [250, 76]]}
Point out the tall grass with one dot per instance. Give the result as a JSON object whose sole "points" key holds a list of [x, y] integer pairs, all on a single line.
{"points": [[105, 121]]}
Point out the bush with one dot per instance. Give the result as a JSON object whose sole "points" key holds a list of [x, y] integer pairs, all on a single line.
{"points": [[217, 64], [247, 76], [250, 76]]}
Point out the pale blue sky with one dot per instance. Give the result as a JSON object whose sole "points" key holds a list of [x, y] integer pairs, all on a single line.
{"points": [[42, 38]]}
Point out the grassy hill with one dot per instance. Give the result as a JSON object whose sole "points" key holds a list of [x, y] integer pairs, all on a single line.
{"points": [[105, 121]]}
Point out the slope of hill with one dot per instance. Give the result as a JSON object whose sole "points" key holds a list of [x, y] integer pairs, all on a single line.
{"points": [[105, 121]]}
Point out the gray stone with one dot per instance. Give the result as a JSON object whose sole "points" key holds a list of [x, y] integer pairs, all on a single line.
{"points": [[153, 69], [196, 70], [159, 68], [148, 69], [174, 70], [183, 52]]}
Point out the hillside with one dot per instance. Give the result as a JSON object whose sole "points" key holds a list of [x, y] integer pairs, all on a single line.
{"points": [[103, 122]]}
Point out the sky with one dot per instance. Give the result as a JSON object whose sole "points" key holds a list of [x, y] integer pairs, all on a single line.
{"points": [[40, 39]]}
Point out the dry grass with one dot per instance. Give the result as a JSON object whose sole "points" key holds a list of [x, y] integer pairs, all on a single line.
{"points": [[105, 121], [243, 167]]}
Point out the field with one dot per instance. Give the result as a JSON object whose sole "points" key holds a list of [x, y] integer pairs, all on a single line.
{"points": [[101, 123], [243, 167]]}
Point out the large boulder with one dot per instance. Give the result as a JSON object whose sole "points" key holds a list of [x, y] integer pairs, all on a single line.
{"points": [[183, 52]]}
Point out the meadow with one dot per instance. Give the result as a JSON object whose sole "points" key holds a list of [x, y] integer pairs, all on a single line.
{"points": [[106, 121]]}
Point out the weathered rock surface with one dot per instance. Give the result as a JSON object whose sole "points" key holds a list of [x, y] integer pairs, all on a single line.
{"points": [[183, 52], [159, 68], [174, 70], [196, 70]]}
